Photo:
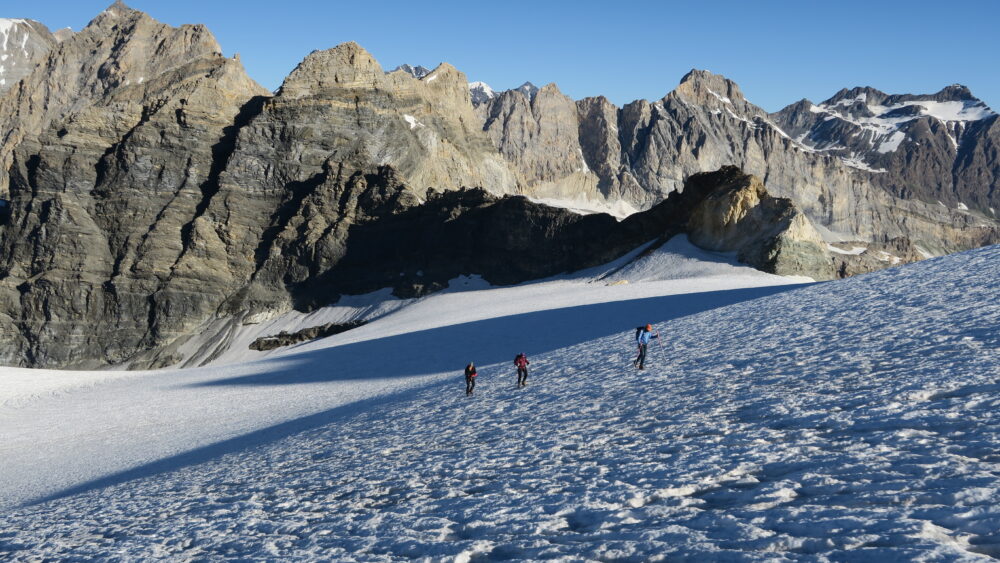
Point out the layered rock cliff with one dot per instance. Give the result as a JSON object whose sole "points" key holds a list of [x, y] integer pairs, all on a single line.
{"points": [[157, 192], [114, 142]]}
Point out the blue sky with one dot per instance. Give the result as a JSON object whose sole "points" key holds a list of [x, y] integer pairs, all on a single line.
{"points": [[777, 51]]}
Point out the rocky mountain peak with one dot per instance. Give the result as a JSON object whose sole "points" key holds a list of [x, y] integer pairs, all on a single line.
{"points": [[129, 46], [550, 89], [444, 70], [414, 71], [345, 66], [63, 34], [952, 103], [864, 94], [120, 49], [704, 88], [481, 92], [528, 89], [955, 93], [715, 93], [116, 14], [448, 86]]}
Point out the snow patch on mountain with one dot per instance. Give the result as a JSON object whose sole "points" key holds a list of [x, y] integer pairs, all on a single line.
{"points": [[854, 251], [412, 121], [7, 28], [721, 98], [855, 161], [582, 205], [891, 143], [883, 123]]}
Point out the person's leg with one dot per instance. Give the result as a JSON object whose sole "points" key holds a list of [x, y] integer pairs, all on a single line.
{"points": [[642, 356]]}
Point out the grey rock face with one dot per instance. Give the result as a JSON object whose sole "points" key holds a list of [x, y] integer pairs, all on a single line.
{"points": [[117, 137], [645, 151], [23, 43], [540, 138], [62, 34]]}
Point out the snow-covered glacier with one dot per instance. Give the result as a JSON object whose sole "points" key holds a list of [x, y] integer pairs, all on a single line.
{"points": [[855, 419]]}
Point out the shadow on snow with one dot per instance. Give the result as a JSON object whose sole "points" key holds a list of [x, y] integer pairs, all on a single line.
{"points": [[436, 350], [488, 341]]}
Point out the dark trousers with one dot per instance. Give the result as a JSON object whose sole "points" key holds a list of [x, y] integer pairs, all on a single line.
{"points": [[522, 376], [641, 358], [470, 384]]}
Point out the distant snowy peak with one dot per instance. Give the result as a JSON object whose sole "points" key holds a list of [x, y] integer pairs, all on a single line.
{"points": [[910, 142], [864, 126], [414, 71], [23, 43], [953, 93], [870, 107], [528, 89], [481, 92]]}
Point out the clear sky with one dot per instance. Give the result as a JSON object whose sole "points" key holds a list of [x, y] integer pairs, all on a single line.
{"points": [[778, 51]]}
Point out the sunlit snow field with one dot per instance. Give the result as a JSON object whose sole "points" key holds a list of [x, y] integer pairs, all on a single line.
{"points": [[849, 420]]}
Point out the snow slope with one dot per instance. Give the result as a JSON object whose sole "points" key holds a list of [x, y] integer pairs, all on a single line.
{"points": [[850, 420], [81, 426]]}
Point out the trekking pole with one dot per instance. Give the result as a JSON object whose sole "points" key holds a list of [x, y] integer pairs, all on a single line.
{"points": [[628, 355], [663, 353]]}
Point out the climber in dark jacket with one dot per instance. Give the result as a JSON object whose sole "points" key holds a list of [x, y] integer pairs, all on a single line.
{"points": [[470, 378]]}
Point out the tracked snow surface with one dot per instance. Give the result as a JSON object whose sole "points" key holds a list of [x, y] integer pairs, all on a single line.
{"points": [[848, 420]]}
